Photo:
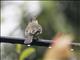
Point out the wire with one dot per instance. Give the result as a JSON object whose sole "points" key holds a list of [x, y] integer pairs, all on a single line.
{"points": [[40, 42]]}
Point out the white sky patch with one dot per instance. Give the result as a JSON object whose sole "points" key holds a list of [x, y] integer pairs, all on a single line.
{"points": [[12, 16], [33, 7]]}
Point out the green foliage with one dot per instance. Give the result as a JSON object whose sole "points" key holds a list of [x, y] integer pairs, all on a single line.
{"points": [[26, 53]]}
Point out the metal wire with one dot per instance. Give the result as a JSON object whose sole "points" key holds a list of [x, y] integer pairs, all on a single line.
{"points": [[40, 42]]}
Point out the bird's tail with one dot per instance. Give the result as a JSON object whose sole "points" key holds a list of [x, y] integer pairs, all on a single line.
{"points": [[28, 40]]}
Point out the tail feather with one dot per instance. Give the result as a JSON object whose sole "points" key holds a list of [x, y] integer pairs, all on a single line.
{"points": [[28, 40]]}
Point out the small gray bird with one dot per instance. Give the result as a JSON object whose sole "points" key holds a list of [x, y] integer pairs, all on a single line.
{"points": [[32, 31]]}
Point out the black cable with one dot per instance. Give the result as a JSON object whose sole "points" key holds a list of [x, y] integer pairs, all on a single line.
{"points": [[12, 40], [40, 42]]}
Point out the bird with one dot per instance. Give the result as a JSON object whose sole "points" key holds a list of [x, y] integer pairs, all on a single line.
{"points": [[32, 31]]}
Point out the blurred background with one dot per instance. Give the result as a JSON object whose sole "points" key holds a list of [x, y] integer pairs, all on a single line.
{"points": [[53, 16]]}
